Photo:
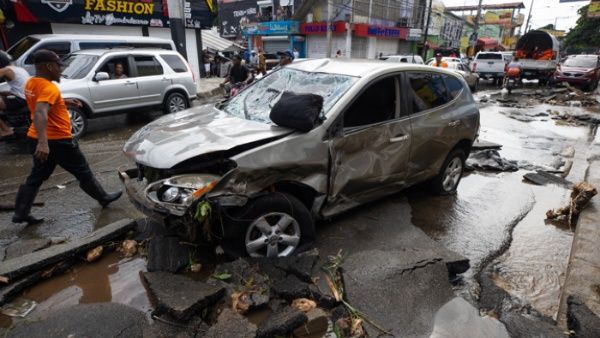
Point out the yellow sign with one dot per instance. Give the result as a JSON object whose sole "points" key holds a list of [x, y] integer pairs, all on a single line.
{"points": [[120, 6]]}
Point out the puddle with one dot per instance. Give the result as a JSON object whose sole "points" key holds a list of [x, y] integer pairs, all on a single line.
{"points": [[110, 279]]}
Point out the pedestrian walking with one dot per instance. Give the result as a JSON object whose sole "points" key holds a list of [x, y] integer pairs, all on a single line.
{"points": [[50, 140]]}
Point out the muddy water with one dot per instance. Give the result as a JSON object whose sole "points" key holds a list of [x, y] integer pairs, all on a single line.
{"points": [[498, 219], [110, 279]]}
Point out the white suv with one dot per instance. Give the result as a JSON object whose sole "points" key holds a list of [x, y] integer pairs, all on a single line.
{"points": [[151, 78]]}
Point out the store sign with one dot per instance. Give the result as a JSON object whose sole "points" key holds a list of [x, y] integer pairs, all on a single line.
{"points": [[111, 12], [237, 16], [274, 28], [380, 32], [414, 34], [309, 28]]}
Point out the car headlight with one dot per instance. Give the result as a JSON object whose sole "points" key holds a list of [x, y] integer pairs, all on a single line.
{"points": [[181, 189]]}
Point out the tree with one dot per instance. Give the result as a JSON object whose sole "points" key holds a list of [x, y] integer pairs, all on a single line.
{"points": [[585, 36]]}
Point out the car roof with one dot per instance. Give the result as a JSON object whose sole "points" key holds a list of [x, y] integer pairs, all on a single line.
{"points": [[101, 52], [99, 37], [355, 67]]}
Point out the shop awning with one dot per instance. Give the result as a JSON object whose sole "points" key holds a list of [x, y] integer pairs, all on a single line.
{"points": [[212, 40]]}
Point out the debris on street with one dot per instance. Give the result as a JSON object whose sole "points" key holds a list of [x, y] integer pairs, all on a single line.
{"points": [[543, 178], [580, 196], [94, 254], [483, 145], [304, 305], [20, 307], [490, 160], [128, 248]]}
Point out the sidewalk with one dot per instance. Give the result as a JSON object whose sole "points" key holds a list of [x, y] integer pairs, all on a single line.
{"points": [[583, 273], [209, 87]]}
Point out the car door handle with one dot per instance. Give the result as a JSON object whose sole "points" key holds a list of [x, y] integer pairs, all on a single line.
{"points": [[164, 79], [455, 123], [401, 138], [128, 83]]}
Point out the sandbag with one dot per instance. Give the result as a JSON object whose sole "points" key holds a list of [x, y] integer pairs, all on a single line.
{"points": [[297, 111]]}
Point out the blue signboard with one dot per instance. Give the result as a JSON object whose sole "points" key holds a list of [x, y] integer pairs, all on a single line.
{"points": [[274, 28]]}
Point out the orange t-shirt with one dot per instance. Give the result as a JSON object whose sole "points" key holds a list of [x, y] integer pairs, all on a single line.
{"points": [[40, 90], [443, 64]]}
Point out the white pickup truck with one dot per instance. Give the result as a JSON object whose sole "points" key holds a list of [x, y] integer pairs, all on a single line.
{"points": [[489, 65], [538, 53]]}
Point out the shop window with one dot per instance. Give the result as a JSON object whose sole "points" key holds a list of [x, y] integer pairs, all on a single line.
{"points": [[374, 105], [428, 90]]}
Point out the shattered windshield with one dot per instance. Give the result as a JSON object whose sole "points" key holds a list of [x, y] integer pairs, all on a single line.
{"points": [[255, 102]]}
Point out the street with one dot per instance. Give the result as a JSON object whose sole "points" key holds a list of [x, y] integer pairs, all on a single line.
{"points": [[518, 260]]}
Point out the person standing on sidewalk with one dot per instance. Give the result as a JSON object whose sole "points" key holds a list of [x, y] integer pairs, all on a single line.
{"points": [[50, 140]]}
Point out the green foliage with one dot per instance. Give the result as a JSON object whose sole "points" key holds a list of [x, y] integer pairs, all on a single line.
{"points": [[584, 37], [202, 212], [222, 276]]}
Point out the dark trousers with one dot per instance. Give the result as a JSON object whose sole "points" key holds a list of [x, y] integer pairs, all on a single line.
{"points": [[64, 153]]}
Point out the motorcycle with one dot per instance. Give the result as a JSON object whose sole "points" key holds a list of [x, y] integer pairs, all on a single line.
{"points": [[512, 79]]}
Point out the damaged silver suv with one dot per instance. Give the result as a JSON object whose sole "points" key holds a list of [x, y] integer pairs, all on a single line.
{"points": [[226, 173]]}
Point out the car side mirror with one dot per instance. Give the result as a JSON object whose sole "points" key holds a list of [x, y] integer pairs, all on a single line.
{"points": [[101, 76]]}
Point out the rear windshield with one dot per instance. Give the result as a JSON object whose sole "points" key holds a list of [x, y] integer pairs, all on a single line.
{"points": [[581, 62], [489, 56], [175, 63], [21, 47]]}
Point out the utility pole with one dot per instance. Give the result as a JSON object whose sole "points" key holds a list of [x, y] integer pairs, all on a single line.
{"points": [[528, 17], [426, 35], [177, 25], [329, 24], [474, 36]]}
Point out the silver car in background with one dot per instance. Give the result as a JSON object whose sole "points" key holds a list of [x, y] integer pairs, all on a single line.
{"points": [[225, 172], [152, 78]]}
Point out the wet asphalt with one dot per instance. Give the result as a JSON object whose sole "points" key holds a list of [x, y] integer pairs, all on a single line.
{"points": [[496, 220]]}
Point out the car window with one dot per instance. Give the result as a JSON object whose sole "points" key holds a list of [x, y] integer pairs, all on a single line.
{"points": [[77, 66], [376, 104], [99, 45], [21, 47], [428, 89], [175, 63], [489, 56], [147, 66], [454, 85], [112, 65], [581, 62], [60, 48]]}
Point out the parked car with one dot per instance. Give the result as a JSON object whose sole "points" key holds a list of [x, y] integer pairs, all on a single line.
{"points": [[153, 78], [583, 70], [416, 59], [225, 171], [64, 44], [489, 65], [457, 65]]}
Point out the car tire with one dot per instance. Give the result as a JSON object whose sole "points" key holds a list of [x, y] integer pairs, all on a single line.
{"points": [[447, 180], [247, 234], [174, 103], [79, 122]]}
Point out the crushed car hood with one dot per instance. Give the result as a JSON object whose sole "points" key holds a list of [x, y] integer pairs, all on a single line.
{"points": [[175, 138]]}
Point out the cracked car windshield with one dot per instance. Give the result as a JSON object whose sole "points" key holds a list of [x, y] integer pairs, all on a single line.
{"points": [[255, 102]]}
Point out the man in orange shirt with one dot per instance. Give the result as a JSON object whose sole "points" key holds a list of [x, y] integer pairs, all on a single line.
{"points": [[50, 140], [439, 62]]}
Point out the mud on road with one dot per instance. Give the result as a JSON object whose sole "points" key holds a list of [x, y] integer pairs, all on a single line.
{"points": [[496, 220]]}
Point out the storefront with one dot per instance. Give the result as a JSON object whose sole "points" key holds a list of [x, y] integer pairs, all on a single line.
{"points": [[274, 36], [316, 40], [110, 17]]}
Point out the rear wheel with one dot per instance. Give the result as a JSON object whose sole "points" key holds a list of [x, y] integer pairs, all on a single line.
{"points": [[174, 103], [272, 225], [446, 182], [79, 122]]}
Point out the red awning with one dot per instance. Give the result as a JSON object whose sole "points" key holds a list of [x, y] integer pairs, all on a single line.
{"points": [[487, 43]]}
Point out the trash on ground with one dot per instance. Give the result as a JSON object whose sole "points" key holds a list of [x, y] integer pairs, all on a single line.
{"points": [[128, 248], [543, 178], [20, 307], [94, 254], [580, 196], [61, 186], [196, 267], [303, 304], [490, 160]]}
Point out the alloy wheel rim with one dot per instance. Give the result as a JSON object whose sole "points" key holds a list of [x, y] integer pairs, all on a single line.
{"points": [[452, 174], [176, 104], [76, 122], [275, 234]]}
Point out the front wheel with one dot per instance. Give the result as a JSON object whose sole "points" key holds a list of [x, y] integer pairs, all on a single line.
{"points": [[446, 182], [272, 225], [174, 103], [79, 122]]}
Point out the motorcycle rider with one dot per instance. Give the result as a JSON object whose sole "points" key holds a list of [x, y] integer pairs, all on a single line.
{"points": [[14, 99], [238, 74]]}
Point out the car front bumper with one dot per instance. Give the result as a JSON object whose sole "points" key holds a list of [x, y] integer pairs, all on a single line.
{"points": [[572, 80]]}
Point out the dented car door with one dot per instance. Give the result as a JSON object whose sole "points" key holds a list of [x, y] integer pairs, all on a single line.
{"points": [[369, 156]]}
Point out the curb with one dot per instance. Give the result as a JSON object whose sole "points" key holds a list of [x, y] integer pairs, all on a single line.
{"points": [[210, 93]]}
